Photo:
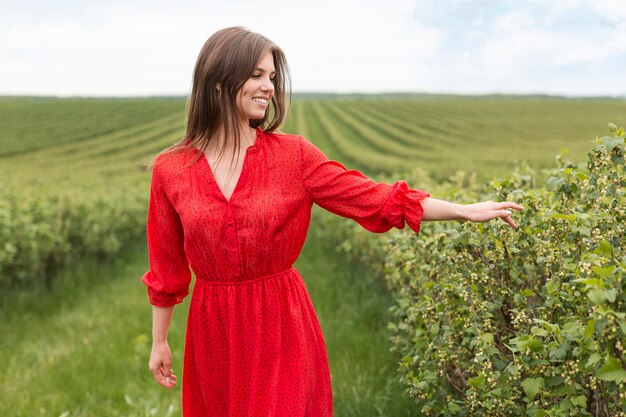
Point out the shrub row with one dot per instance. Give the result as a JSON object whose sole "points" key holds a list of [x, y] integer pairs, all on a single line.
{"points": [[42, 232], [493, 321]]}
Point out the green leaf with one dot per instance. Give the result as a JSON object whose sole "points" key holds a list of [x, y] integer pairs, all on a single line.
{"points": [[548, 326], [478, 382], [583, 230], [496, 392], [565, 405], [560, 352], [564, 390], [580, 401], [570, 266], [607, 270], [487, 339], [593, 359], [537, 412], [596, 295], [554, 183], [610, 143], [512, 369], [612, 371], [461, 238], [531, 343], [532, 386], [453, 407], [592, 282], [538, 331], [589, 328], [535, 345], [610, 295], [573, 330], [612, 128], [554, 381], [552, 286]]}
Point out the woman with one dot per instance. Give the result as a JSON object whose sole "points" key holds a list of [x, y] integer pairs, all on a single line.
{"points": [[254, 346]]}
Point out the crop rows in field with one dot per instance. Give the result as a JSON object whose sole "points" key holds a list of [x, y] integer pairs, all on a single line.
{"points": [[482, 135], [116, 147], [30, 123], [83, 141]]}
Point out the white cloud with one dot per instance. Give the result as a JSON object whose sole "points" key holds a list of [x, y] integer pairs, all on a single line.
{"points": [[137, 50], [612, 10], [382, 49], [556, 50], [145, 48]]}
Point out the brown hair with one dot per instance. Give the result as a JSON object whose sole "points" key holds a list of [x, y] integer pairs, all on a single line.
{"points": [[228, 58]]}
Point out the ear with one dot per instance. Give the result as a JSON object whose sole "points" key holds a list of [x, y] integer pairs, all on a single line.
{"points": [[218, 87]]}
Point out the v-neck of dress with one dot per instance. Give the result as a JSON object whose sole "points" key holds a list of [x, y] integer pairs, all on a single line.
{"points": [[249, 149]]}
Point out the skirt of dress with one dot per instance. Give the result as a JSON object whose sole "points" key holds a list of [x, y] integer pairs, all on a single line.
{"points": [[255, 349]]}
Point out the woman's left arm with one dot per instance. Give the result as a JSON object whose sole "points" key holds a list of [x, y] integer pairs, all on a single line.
{"points": [[435, 209]]}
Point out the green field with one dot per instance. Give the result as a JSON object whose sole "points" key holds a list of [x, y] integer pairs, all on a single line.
{"points": [[81, 349], [77, 142]]}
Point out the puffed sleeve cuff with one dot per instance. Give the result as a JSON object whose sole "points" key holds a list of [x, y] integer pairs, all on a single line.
{"points": [[157, 296], [404, 205]]}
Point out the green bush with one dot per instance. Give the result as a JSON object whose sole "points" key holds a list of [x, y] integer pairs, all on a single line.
{"points": [[42, 232], [493, 321]]}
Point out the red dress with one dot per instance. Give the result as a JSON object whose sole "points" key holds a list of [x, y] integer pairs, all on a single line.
{"points": [[254, 346]]}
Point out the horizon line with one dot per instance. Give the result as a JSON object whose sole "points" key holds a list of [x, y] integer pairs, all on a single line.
{"points": [[330, 93]]}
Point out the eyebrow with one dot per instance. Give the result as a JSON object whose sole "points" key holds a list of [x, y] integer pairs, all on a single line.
{"points": [[262, 70]]}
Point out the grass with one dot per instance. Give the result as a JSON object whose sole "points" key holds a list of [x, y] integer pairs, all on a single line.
{"points": [[82, 349]]}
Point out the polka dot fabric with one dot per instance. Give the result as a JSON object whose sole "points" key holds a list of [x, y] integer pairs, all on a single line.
{"points": [[254, 346]]}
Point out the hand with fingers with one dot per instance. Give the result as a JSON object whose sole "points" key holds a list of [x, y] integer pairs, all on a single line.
{"points": [[435, 209], [161, 364], [488, 210]]}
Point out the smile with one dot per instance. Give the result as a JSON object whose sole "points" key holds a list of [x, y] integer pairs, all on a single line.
{"points": [[260, 100]]}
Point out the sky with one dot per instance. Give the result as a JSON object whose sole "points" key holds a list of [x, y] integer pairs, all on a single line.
{"points": [[149, 48]]}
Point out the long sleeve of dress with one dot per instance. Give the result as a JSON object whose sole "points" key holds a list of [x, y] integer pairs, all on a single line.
{"points": [[169, 275], [349, 193]]}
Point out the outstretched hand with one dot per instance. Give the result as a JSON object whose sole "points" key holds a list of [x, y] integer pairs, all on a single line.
{"points": [[487, 210], [435, 209]]}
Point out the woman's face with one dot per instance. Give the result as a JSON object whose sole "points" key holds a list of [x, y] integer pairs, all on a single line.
{"points": [[256, 93]]}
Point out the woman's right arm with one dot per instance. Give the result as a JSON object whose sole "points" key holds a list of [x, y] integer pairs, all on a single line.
{"points": [[161, 356], [169, 275]]}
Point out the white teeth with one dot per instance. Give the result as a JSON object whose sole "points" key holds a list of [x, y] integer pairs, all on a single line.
{"points": [[260, 100]]}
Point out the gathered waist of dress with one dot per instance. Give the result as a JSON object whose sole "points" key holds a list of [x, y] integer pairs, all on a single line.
{"points": [[209, 281]]}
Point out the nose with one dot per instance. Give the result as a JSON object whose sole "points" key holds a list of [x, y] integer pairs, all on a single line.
{"points": [[268, 85]]}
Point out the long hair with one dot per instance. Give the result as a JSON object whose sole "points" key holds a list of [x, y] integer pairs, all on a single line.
{"points": [[228, 58]]}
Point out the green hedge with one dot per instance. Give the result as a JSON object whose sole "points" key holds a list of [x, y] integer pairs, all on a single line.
{"points": [[42, 232], [493, 321]]}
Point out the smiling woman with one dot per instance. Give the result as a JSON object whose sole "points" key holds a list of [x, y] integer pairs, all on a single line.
{"points": [[258, 84], [254, 345], [254, 97]]}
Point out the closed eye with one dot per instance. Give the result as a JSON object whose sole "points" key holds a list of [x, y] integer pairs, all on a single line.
{"points": [[255, 76]]}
